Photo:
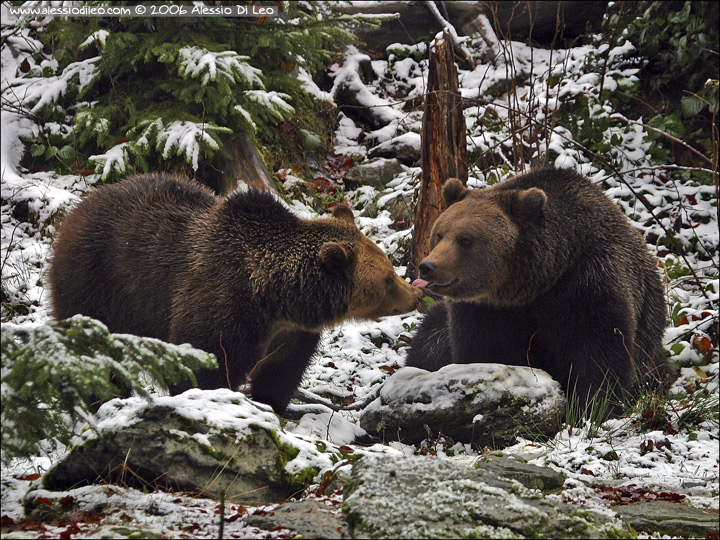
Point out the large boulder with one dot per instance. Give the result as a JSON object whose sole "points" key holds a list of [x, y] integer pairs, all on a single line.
{"points": [[405, 148], [486, 404], [376, 173], [208, 442], [394, 496]]}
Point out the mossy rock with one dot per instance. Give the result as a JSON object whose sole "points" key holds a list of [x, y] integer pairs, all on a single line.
{"points": [[164, 445]]}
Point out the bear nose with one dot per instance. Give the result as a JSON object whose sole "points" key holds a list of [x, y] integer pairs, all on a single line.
{"points": [[427, 268]]}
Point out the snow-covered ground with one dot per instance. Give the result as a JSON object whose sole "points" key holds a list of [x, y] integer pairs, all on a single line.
{"points": [[355, 358]]}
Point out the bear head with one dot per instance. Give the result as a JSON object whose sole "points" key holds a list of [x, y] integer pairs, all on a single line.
{"points": [[377, 290], [473, 242]]}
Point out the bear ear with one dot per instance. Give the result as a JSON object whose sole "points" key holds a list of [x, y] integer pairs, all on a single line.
{"points": [[453, 191], [342, 211], [335, 255], [531, 203]]}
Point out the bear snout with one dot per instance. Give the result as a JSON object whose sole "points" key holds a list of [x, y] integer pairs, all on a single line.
{"points": [[406, 297], [427, 269], [413, 297]]}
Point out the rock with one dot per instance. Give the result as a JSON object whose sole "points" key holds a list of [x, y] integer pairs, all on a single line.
{"points": [[530, 476], [393, 496], [376, 173], [400, 207], [308, 518], [203, 441], [486, 404], [405, 148], [540, 19], [669, 518], [518, 19], [355, 99]]}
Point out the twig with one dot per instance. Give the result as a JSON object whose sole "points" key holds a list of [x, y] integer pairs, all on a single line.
{"points": [[221, 528], [452, 33]]}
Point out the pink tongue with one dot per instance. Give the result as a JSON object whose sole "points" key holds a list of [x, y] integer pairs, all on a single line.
{"points": [[421, 283]]}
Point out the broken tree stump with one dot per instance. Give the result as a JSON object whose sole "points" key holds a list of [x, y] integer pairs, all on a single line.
{"points": [[443, 144]]}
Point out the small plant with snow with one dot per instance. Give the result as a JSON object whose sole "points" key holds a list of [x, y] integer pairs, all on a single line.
{"points": [[53, 375]]}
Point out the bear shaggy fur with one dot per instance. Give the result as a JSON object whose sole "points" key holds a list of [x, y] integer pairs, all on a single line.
{"points": [[543, 270], [241, 277]]}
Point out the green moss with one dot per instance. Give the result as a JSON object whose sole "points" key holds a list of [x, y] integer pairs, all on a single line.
{"points": [[287, 452]]}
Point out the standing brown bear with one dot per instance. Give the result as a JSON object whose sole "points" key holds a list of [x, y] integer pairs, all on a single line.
{"points": [[241, 277], [543, 270]]}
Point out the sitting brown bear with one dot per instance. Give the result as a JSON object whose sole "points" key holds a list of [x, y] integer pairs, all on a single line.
{"points": [[243, 278], [543, 270]]}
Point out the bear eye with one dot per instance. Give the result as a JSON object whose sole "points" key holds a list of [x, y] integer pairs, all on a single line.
{"points": [[465, 241], [389, 280], [438, 237]]}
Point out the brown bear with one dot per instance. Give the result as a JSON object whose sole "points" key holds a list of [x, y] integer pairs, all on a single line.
{"points": [[241, 277], [543, 270]]}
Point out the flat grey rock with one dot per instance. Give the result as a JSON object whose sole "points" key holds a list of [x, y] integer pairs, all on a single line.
{"points": [[307, 518], [376, 173], [391, 496], [669, 518]]}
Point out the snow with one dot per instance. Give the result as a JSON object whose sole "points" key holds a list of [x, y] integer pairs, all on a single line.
{"points": [[35, 93], [331, 426], [222, 411], [273, 101], [346, 135], [348, 76], [112, 160], [182, 138], [445, 387], [96, 37], [685, 466], [356, 358], [13, 149], [196, 62], [311, 88]]}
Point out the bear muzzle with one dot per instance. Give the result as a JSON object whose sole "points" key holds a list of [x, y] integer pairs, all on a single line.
{"points": [[413, 297], [429, 278]]}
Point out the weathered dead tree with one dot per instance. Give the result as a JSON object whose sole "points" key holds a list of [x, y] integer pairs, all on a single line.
{"points": [[443, 146]]}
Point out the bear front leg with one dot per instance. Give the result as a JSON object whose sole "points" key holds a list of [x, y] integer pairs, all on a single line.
{"points": [[595, 367], [430, 347], [277, 376], [480, 333]]}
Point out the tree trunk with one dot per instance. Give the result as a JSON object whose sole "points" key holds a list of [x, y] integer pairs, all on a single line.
{"points": [[242, 164], [443, 145]]}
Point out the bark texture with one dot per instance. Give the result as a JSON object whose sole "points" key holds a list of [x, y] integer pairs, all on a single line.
{"points": [[443, 147]]}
